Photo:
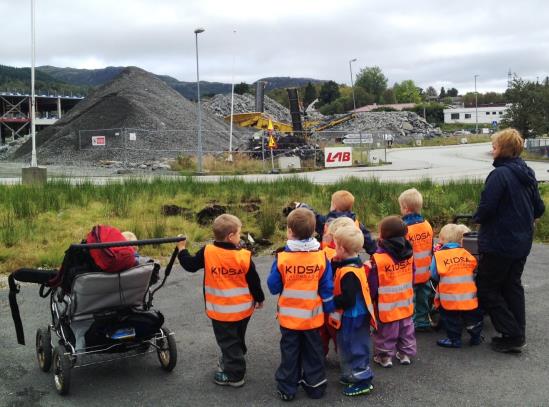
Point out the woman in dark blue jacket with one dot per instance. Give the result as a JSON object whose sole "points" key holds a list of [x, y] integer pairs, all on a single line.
{"points": [[509, 205]]}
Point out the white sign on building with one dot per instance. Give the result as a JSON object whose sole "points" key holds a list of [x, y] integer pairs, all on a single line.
{"points": [[338, 157]]}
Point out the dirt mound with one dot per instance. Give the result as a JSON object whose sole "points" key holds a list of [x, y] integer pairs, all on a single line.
{"points": [[135, 99], [220, 105], [401, 124]]}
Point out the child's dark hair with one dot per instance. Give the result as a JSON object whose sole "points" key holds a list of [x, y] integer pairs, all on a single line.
{"points": [[302, 222], [392, 226]]}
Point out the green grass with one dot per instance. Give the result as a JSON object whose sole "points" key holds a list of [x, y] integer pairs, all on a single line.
{"points": [[38, 223]]}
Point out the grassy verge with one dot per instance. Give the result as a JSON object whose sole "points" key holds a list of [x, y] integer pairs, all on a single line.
{"points": [[37, 224]]}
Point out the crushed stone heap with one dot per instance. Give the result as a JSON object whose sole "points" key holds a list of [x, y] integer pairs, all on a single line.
{"points": [[165, 124], [220, 105], [401, 124]]}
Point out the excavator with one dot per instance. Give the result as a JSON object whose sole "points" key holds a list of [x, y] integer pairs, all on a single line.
{"points": [[300, 128]]}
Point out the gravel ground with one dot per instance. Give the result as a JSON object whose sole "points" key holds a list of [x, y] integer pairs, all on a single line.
{"points": [[464, 377]]}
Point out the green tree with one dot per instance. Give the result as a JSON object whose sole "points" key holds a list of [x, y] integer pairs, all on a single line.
{"points": [[442, 93], [373, 81], [329, 92], [452, 92], [309, 95], [529, 109], [407, 92], [389, 97], [241, 88], [431, 92]]}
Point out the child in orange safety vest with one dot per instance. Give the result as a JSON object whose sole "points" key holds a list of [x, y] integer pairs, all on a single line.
{"points": [[390, 277], [327, 331], [453, 267], [232, 290], [354, 312], [302, 277], [420, 235]]}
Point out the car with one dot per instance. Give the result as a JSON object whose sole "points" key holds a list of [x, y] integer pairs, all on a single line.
{"points": [[462, 133]]}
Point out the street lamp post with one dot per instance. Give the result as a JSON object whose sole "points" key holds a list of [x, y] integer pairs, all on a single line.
{"points": [[352, 83], [199, 158], [476, 106], [33, 99], [232, 111]]}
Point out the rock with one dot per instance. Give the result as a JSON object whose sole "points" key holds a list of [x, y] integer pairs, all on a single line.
{"points": [[143, 166], [407, 126]]}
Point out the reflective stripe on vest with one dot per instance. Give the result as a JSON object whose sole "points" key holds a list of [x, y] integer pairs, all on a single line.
{"points": [[395, 292], [456, 290], [299, 305], [420, 236], [359, 272], [226, 291]]}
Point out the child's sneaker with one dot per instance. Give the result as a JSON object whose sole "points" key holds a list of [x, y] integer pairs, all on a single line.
{"points": [[383, 361], [449, 343], [358, 389], [404, 359], [222, 379], [285, 397]]}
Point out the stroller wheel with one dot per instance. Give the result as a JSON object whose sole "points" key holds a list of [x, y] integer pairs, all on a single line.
{"points": [[167, 350], [62, 366], [43, 349]]}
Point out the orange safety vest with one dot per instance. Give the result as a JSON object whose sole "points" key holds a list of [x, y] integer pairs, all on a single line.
{"points": [[299, 305], [226, 291], [335, 317], [456, 290], [420, 236], [328, 250], [395, 292]]}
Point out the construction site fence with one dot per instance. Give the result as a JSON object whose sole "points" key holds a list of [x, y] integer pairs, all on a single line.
{"points": [[251, 151]]}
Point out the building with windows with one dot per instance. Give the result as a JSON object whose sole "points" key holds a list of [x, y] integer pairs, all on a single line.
{"points": [[487, 114]]}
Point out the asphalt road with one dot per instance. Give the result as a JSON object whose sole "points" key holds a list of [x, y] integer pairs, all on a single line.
{"points": [[470, 161], [463, 377]]}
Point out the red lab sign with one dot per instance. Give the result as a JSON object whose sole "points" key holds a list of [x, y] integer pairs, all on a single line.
{"points": [[338, 157]]}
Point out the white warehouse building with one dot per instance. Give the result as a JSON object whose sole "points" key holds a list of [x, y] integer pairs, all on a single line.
{"points": [[487, 114]]}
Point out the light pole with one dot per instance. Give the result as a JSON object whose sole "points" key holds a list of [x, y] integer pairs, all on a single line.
{"points": [[476, 106], [232, 108], [33, 99], [352, 83], [196, 32]]}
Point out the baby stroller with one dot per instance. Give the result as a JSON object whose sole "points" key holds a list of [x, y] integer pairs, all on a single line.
{"points": [[98, 317]]}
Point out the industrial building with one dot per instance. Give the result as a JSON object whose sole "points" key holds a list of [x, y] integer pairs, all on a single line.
{"points": [[487, 114]]}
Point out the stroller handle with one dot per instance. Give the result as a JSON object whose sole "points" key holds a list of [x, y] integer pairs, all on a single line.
{"points": [[145, 242]]}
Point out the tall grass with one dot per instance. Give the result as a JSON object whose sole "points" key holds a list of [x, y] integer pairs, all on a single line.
{"points": [[37, 223]]}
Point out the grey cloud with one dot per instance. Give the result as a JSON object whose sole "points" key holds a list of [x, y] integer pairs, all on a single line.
{"points": [[399, 36]]}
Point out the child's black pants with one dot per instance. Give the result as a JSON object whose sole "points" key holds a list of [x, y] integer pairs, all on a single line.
{"points": [[230, 337]]}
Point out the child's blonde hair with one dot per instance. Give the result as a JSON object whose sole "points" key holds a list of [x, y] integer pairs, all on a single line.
{"points": [[343, 201], [339, 223], [411, 199], [350, 238], [129, 236], [224, 225], [452, 233], [302, 222]]}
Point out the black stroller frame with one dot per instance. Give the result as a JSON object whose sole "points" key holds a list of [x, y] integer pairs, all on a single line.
{"points": [[55, 347]]}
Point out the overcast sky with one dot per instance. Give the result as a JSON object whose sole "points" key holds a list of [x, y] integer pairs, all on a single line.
{"points": [[433, 42]]}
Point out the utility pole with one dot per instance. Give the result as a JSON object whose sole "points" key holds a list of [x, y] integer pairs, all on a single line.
{"points": [[196, 32], [352, 83], [33, 99], [476, 106]]}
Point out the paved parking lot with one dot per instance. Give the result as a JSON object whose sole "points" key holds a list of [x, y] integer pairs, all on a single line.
{"points": [[465, 377]]}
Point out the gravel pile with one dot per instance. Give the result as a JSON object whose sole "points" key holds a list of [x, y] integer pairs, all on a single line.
{"points": [[401, 124], [136, 99], [220, 105]]}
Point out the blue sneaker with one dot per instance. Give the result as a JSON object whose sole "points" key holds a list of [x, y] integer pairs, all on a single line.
{"points": [[222, 379], [449, 343], [358, 389]]}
